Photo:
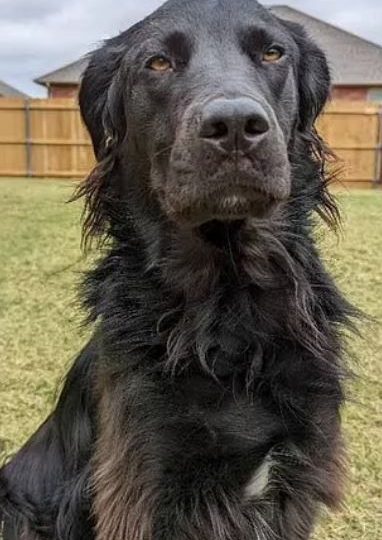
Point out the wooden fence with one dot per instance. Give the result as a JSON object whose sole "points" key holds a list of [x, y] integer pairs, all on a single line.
{"points": [[354, 131], [43, 138], [46, 138]]}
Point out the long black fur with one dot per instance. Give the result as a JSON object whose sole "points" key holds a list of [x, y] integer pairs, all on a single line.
{"points": [[208, 355]]}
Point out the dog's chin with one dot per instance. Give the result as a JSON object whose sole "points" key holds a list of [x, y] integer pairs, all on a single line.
{"points": [[219, 219], [237, 193], [232, 206]]}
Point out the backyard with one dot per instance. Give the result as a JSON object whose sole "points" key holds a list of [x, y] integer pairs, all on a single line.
{"points": [[41, 265]]}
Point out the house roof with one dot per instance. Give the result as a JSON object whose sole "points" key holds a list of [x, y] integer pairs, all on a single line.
{"points": [[68, 74], [6, 90], [353, 60]]}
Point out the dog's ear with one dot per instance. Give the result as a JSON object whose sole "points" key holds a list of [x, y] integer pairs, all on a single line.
{"points": [[102, 104], [101, 100], [313, 77]]}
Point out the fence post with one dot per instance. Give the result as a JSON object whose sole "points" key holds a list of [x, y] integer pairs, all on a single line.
{"points": [[378, 166], [28, 142]]}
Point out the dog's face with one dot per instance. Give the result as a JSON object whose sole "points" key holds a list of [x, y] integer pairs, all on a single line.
{"points": [[212, 103], [205, 100]]}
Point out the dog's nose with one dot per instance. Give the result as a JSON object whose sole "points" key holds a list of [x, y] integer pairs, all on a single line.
{"points": [[234, 124]]}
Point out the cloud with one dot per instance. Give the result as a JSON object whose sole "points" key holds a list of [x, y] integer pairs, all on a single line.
{"points": [[27, 9], [38, 36], [362, 18]]}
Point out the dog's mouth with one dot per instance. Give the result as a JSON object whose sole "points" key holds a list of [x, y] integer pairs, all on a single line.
{"points": [[224, 192], [220, 220], [231, 208]]}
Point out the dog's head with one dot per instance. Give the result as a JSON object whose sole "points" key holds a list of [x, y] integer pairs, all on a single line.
{"points": [[195, 111]]}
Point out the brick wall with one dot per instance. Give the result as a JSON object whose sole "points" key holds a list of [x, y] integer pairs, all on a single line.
{"points": [[350, 93], [63, 91]]}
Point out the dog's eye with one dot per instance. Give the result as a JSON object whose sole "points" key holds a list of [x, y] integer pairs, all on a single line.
{"points": [[160, 63], [273, 54]]}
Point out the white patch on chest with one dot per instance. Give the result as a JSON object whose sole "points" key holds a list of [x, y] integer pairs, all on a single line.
{"points": [[260, 479]]}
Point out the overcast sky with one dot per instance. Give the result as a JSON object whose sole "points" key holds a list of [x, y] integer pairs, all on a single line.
{"points": [[38, 36]]}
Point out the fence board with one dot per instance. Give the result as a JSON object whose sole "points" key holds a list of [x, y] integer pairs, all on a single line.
{"points": [[353, 131], [46, 138]]}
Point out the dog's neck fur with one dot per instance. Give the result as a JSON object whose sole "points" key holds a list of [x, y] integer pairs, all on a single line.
{"points": [[261, 292]]}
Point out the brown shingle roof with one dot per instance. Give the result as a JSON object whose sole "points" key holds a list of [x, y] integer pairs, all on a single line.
{"points": [[6, 90], [353, 60]]}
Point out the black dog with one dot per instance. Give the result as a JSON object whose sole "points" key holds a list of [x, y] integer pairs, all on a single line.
{"points": [[207, 404]]}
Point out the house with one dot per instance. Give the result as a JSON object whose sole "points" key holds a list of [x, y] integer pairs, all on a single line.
{"points": [[8, 91], [356, 64], [64, 82]]}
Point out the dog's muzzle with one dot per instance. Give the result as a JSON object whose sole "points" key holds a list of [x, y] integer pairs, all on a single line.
{"points": [[229, 165]]}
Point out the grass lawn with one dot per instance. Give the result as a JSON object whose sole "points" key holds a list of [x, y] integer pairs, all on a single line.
{"points": [[41, 264]]}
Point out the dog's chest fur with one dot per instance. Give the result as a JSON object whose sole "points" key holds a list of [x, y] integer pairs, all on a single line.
{"points": [[203, 396], [220, 425]]}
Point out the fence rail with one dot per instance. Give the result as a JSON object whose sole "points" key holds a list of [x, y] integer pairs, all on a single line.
{"points": [[46, 138]]}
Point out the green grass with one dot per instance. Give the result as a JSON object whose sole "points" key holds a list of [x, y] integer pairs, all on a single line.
{"points": [[41, 264]]}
